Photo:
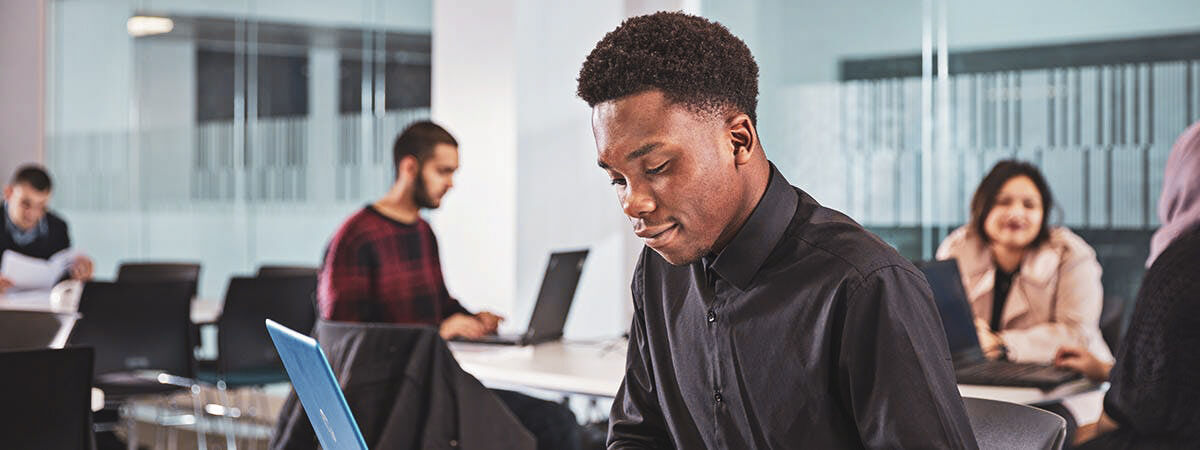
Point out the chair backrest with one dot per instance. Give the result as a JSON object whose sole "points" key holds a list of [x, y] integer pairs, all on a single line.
{"points": [[270, 271], [142, 272], [1114, 320], [136, 326], [47, 398], [1003, 425], [27, 330], [242, 341], [405, 390]]}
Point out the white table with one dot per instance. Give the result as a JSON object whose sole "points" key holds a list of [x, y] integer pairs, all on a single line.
{"points": [[597, 370], [587, 369], [203, 310]]}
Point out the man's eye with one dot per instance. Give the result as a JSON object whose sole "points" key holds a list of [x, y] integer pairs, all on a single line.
{"points": [[656, 170]]}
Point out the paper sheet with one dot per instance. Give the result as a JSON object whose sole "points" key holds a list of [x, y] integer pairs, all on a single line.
{"points": [[34, 273]]}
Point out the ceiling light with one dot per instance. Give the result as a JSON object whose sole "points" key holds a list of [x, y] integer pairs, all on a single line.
{"points": [[139, 26]]}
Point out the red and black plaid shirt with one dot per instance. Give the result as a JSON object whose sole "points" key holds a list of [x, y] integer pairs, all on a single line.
{"points": [[380, 270]]}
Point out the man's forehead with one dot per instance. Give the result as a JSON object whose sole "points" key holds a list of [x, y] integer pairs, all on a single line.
{"points": [[25, 190]]}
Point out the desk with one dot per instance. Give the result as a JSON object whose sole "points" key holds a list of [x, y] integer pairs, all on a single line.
{"points": [[203, 310], [573, 368], [596, 370]]}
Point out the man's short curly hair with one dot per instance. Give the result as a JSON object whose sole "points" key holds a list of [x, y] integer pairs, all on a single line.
{"points": [[693, 61]]}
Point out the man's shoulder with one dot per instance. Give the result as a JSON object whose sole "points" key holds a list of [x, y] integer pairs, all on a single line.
{"points": [[54, 221], [360, 226], [832, 240]]}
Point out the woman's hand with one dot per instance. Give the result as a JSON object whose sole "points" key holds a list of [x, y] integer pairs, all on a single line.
{"points": [[989, 342], [1081, 360]]}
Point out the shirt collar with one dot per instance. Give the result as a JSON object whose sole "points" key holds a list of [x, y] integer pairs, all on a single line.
{"points": [[740, 260], [19, 236]]}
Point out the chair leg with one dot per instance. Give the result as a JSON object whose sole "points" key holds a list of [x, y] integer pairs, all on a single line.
{"points": [[230, 439], [131, 436]]}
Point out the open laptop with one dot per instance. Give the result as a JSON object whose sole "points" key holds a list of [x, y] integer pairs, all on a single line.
{"points": [[970, 366], [553, 302], [317, 388]]}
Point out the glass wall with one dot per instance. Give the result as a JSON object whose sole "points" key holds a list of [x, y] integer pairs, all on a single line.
{"points": [[893, 111], [231, 133]]}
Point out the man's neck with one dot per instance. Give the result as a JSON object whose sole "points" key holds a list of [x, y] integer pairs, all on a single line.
{"points": [[757, 188], [398, 205]]}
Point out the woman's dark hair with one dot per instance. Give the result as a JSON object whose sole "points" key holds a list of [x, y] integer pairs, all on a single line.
{"points": [[985, 196]]}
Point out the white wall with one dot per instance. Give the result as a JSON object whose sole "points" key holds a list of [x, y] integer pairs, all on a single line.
{"points": [[475, 98], [22, 64], [563, 199]]}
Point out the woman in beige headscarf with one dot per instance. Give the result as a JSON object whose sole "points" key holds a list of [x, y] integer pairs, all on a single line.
{"points": [[1154, 398]]}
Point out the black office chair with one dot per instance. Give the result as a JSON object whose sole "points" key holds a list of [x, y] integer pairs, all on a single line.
{"points": [[135, 328], [28, 330], [47, 398], [246, 355], [1114, 319], [159, 271], [405, 390], [270, 271], [1003, 425]]}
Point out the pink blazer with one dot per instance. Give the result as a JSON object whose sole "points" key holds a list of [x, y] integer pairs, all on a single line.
{"points": [[1055, 298]]}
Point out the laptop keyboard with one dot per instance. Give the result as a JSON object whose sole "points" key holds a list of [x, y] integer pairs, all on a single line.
{"points": [[1005, 373]]}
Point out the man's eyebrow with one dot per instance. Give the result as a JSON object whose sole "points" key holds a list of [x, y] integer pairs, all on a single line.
{"points": [[640, 152]]}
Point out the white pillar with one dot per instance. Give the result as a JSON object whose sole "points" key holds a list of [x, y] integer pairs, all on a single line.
{"points": [[474, 97], [22, 83]]}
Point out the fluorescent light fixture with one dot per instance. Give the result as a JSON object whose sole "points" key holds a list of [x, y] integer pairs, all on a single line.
{"points": [[139, 26]]}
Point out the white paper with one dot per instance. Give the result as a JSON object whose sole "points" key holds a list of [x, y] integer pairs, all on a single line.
{"points": [[28, 273]]}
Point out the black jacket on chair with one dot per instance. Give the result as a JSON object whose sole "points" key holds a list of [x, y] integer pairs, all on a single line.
{"points": [[405, 390]]}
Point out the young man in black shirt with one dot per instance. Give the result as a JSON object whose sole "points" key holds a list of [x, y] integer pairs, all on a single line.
{"points": [[761, 319], [30, 228]]}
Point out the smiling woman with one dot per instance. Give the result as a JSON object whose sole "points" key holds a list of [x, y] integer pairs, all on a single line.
{"points": [[1033, 287]]}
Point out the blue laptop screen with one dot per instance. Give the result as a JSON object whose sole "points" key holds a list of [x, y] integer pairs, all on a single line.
{"points": [[317, 388]]}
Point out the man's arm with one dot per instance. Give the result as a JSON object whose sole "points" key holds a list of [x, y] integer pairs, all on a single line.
{"points": [[636, 419], [894, 366]]}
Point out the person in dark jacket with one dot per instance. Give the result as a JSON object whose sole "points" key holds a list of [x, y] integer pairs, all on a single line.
{"points": [[406, 391], [1155, 381], [761, 318], [30, 228]]}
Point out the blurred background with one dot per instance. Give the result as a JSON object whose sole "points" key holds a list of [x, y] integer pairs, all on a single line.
{"points": [[240, 133]]}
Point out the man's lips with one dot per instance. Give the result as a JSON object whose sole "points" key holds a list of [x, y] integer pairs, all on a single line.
{"points": [[654, 236]]}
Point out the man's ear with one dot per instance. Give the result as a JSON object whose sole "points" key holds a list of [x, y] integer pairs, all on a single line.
{"points": [[408, 167], [8, 190], [743, 138]]}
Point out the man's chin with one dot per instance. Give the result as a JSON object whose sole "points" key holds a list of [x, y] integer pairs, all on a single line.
{"points": [[678, 258]]}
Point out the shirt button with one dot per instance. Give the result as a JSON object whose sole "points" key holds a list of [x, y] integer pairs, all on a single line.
{"points": [[712, 316], [717, 396]]}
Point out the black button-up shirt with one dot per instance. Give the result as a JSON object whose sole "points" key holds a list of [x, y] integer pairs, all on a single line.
{"points": [[805, 331]]}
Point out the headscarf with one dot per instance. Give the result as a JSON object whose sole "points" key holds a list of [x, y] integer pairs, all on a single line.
{"points": [[1179, 204]]}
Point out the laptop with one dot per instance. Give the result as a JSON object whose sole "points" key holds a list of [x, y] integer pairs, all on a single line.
{"points": [[553, 303], [970, 366], [317, 388]]}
